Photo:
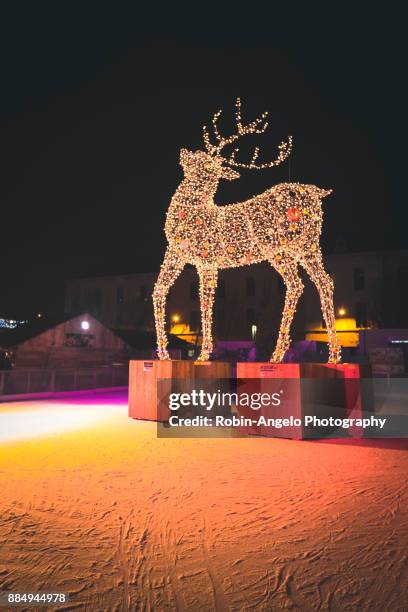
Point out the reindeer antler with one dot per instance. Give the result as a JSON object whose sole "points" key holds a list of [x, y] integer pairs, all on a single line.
{"points": [[258, 126]]}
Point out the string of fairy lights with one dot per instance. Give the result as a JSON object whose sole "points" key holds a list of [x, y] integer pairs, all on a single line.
{"points": [[281, 225]]}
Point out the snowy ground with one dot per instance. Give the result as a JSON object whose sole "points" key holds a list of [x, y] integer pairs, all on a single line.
{"points": [[93, 504]]}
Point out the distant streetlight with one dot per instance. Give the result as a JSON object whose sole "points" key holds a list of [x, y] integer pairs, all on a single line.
{"points": [[176, 318], [342, 311]]}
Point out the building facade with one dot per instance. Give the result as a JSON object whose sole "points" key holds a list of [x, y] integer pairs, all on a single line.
{"points": [[246, 297], [73, 342], [370, 291]]}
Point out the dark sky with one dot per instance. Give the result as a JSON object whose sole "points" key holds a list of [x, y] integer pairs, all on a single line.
{"points": [[97, 103]]}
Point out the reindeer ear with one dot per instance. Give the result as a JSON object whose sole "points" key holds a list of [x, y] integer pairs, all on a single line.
{"points": [[229, 174]]}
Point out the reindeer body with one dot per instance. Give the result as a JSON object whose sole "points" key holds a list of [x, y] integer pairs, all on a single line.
{"points": [[281, 226], [248, 232]]}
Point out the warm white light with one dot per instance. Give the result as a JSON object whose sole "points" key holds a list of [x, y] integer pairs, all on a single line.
{"points": [[176, 318], [253, 331], [342, 311], [35, 419], [281, 226], [85, 325]]}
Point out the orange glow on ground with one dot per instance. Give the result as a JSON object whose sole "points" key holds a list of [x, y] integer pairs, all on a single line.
{"points": [[99, 507]]}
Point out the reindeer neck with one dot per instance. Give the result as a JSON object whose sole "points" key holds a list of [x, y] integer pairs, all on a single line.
{"points": [[194, 193]]}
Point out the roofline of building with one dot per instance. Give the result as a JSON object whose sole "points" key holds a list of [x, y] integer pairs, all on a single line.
{"points": [[26, 332], [110, 275], [370, 252], [155, 273]]}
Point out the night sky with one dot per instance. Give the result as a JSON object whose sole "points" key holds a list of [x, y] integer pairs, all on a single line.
{"points": [[97, 103]]}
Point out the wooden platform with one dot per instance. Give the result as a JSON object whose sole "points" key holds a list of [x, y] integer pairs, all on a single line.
{"points": [[144, 402], [151, 382], [149, 398], [300, 396], [212, 370]]}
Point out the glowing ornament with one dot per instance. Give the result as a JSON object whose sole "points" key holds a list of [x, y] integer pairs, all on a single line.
{"points": [[294, 214], [270, 227]]}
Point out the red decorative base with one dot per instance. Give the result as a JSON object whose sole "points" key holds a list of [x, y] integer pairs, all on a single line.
{"points": [[358, 398], [299, 399]]}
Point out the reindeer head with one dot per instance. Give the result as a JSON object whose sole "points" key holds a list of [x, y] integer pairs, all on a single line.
{"points": [[199, 164], [211, 166], [258, 126], [204, 169]]}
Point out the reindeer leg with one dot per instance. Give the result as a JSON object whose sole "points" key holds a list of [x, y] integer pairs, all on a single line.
{"points": [[208, 283], [169, 271], [294, 287], [324, 285]]}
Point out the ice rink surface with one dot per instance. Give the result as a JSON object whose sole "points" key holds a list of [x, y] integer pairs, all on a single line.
{"points": [[93, 504]]}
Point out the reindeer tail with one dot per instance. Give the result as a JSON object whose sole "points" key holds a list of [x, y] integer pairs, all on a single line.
{"points": [[323, 193]]}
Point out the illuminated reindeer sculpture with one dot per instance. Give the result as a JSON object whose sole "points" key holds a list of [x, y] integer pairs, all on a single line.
{"points": [[281, 225]]}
